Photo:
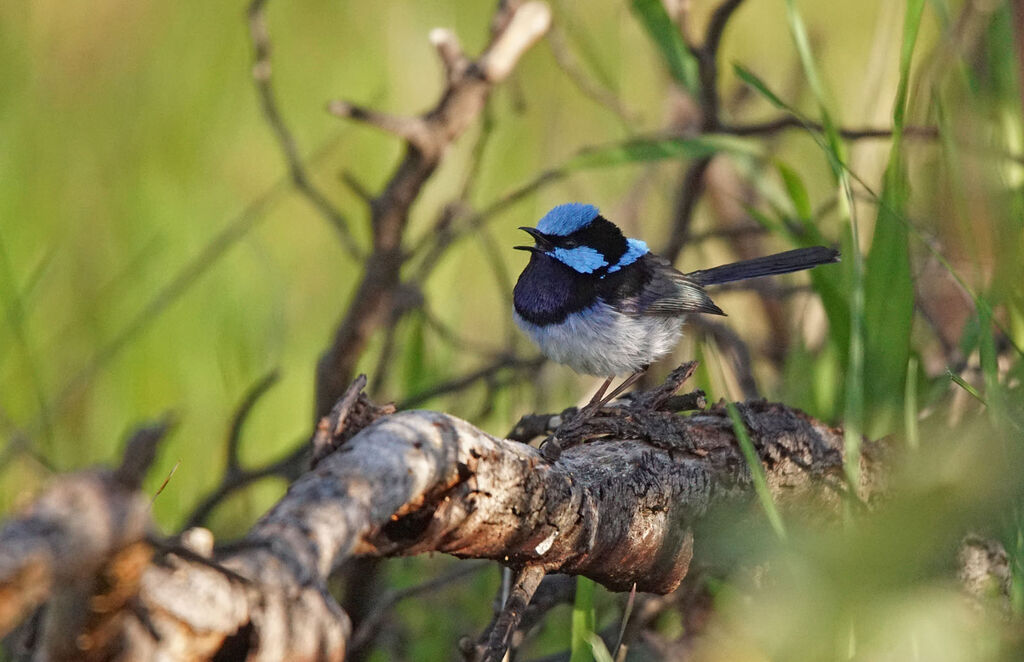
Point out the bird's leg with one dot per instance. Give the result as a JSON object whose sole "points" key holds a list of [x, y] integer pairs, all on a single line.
{"points": [[600, 392], [626, 383], [551, 448]]}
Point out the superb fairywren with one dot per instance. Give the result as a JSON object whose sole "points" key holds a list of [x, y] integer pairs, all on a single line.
{"points": [[604, 305]]}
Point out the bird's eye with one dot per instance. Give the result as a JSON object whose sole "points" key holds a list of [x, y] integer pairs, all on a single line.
{"points": [[569, 243]]}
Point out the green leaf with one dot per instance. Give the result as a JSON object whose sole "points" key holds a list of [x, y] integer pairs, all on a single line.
{"points": [[796, 190], [600, 651], [657, 149], [682, 64], [754, 81], [995, 392], [962, 383], [888, 283], [416, 374], [770, 224], [583, 622], [764, 495], [888, 304], [910, 428], [833, 148], [911, 25]]}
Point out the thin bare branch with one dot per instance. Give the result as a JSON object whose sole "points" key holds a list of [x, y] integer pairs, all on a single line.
{"points": [[707, 59], [585, 84], [372, 622], [242, 412], [261, 74], [450, 51], [352, 182], [789, 122], [140, 451], [501, 364], [413, 130], [182, 281], [690, 190], [287, 467], [452, 337], [516, 27], [734, 347], [527, 23], [527, 579]]}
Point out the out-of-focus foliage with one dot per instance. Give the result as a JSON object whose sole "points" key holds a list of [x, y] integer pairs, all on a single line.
{"points": [[130, 136]]}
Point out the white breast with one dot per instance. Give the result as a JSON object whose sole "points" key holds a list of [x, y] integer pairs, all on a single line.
{"points": [[604, 342]]}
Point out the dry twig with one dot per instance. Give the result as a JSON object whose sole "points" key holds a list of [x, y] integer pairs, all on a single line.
{"points": [[468, 84]]}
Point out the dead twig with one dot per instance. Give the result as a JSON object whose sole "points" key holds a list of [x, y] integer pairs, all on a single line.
{"points": [[242, 412], [352, 413], [371, 623], [780, 124], [468, 84], [261, 75], [501, 364], [527, 579]]}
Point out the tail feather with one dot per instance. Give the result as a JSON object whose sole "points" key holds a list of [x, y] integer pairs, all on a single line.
{"points": [[770, 265]]}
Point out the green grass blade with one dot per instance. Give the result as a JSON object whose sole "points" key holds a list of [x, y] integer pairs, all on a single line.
{"points": [[757, 473], [583, 622], [416, 373], [682, 64], [987, 356], [853, 416], [657, 149], [754, 81], [599, 650], [626, 613], [803, 48], [14, 310], [888, 283], [854, 410], [796, 190], [995, 392], [888, 305], [910, 405], [911, 26], [1017, 564], [962, 383], [770, 224]]}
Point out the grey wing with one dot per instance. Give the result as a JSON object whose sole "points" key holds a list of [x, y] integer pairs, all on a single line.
{"points": [[670, 292]]}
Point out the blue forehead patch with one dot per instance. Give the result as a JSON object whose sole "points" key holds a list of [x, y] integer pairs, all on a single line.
{"points": [[637, 249], [568, 218], [583, 259]]}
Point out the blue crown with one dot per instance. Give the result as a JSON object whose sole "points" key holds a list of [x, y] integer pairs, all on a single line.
{"points": [[568, 218]]}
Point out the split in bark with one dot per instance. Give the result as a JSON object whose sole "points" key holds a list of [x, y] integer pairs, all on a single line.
{"points": [[619, 506]]}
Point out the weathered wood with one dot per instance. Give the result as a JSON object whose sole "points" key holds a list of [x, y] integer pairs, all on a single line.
{"points": [[618, 506]]}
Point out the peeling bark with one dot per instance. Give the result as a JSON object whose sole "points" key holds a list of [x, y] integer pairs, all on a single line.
{"points": [[619, 506]]}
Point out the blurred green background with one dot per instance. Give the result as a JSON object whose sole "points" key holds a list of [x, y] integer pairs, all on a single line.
{"points": [[131, 137]]}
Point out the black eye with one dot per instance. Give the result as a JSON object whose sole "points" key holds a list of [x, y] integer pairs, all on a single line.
{"points": [[569, 243]]}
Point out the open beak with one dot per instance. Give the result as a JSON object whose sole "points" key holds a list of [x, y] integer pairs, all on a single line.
{"points": [[543, 245]]}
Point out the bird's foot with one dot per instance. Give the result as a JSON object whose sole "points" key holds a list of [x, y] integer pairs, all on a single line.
{"points": [[551, 448]]}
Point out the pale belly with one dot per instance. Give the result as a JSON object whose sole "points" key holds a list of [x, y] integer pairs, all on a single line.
{"points": [[603, 342]]}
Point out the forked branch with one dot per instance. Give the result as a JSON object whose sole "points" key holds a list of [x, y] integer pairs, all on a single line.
{"points": [[516, 27]]}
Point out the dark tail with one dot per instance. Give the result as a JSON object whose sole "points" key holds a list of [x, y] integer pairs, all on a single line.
{"points": [[770, 265]]}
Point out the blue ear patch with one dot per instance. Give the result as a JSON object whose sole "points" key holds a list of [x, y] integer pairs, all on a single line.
{"points": [[637, 249], [568, 218], [583, 259]]}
